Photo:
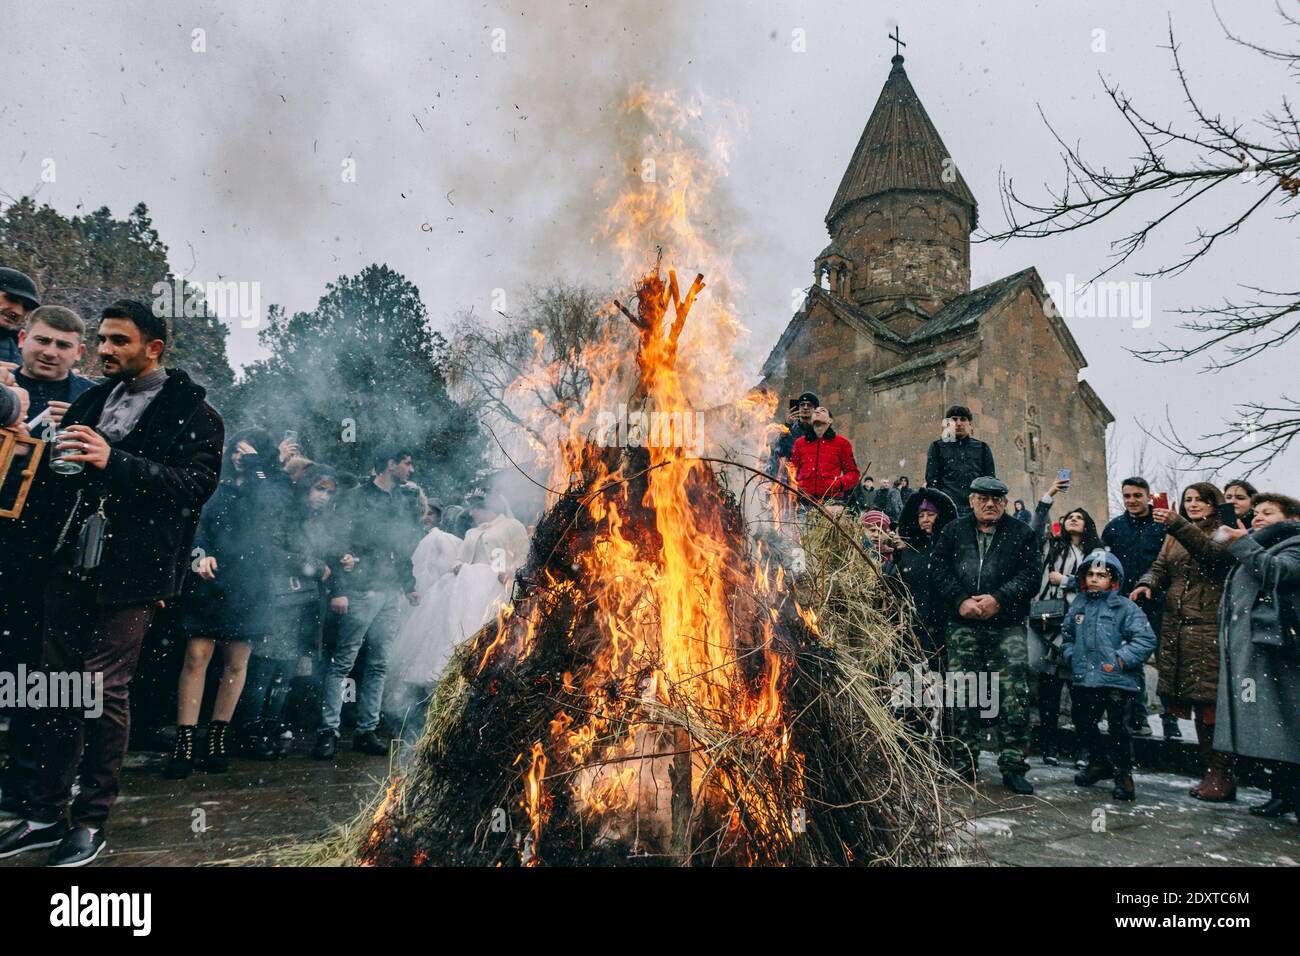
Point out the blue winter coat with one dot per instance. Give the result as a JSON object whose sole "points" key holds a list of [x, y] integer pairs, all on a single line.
{"points": [[1105, 628]]}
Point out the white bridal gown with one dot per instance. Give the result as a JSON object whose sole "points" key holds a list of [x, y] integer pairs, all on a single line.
{"points": [[460, 591]]}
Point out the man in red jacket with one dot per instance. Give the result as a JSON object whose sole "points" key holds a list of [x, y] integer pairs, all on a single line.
{"points": [[823, 464]]}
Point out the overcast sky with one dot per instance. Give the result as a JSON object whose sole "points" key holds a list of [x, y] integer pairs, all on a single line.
{"points": [[474, 165]]}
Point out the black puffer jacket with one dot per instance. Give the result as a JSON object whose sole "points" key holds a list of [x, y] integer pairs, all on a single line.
{"points": [[952, 465], [914, 568], [1010, 569]]}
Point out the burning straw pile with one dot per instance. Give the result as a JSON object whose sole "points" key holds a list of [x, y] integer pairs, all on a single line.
{"points": [[667, 689]]}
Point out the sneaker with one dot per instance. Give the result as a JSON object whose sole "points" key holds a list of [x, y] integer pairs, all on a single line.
{"points": [[327, 744], [369, 743], [25, 837], [1169, 725], [78, 847]]}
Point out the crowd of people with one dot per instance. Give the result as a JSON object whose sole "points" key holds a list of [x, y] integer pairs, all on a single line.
{"points": [[1208, 587], [355, 589], [347, 590]]}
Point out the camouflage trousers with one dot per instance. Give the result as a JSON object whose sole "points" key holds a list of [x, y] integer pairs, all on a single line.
{"points": [[986, 652]]}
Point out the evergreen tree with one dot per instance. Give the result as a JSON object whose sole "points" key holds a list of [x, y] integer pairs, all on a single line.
{"points": [[361, 370], [86, 262]]}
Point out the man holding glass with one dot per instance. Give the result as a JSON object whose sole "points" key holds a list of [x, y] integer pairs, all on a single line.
{"points": [[149, 449]]}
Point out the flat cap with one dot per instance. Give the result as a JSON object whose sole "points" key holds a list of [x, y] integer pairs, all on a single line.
{"points": [[988, 485]]}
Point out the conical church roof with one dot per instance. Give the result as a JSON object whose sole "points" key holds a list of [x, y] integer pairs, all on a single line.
{"points": [[899, 150]]}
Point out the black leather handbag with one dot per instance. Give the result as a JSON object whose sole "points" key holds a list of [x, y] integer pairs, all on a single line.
{"points": [[1046, 615]]}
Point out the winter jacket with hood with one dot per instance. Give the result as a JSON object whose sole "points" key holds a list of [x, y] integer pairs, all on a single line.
{"points": [[824, 467], [1266, 726], [1190, 570], [1009, 570], [1105, 628], [913, 567]]}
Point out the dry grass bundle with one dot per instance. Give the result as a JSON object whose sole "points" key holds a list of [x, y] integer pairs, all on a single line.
{"points": [[848, 784]]}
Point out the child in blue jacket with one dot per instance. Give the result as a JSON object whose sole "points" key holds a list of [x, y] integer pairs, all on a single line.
{"points": [[1106, 639]]}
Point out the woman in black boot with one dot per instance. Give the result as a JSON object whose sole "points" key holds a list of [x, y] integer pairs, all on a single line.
{"points": [[1062, 554], [230, 597]]}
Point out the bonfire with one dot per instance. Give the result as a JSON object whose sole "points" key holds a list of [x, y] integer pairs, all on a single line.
{"points": [[670, 684]]}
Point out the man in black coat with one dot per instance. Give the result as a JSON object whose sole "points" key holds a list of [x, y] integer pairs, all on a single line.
{"points": [[150, 447], [380, 530], [989, 567], [957, 459]]}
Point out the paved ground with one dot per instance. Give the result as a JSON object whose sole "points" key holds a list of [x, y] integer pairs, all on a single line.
{"points": [[258, 806], [1063, 824], [212, 817]]}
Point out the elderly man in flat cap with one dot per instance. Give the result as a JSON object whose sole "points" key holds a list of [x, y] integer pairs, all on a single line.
{"points": [[989, 566]]}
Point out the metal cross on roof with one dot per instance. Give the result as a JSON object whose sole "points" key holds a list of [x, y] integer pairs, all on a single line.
{"points": [[897, 42]]}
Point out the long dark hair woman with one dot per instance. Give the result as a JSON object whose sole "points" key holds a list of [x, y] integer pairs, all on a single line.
{"points": [[229, 598], [1238, 494], [1062, 555], [1190, 571]]}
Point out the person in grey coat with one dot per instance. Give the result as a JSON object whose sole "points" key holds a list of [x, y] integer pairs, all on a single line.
{"points": [[1259, 648]]}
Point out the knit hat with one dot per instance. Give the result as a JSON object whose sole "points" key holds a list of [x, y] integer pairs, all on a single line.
{"points": [[808, 397], [880, 519], [927, 505]]}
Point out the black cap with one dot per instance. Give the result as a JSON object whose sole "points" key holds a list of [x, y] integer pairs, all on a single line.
{"points": [[808, 397], [16, 285], [959, 411], [988, 485]]}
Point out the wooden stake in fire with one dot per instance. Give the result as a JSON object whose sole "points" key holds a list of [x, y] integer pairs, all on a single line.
{"points": [[655, 350]]}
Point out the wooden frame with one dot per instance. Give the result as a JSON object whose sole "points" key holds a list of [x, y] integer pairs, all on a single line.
{"points": [[10, 441]]}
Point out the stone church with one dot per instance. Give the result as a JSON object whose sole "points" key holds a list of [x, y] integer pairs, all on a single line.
{"points": [[891, 332]]}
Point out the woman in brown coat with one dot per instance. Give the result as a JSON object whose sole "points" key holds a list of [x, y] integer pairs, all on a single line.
{"points": [[1190, 570]]}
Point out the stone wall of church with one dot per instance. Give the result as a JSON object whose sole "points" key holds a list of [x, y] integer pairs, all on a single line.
{"points": [[906, 245], [1031, 413], [829, 358]]}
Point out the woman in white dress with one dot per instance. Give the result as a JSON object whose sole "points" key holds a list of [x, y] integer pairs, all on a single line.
{"points": [[467, 582]]}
